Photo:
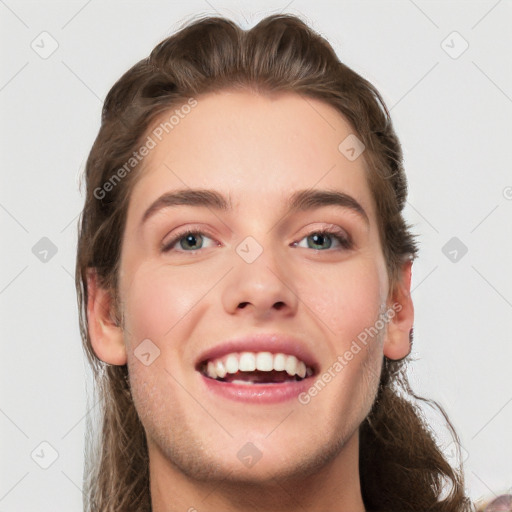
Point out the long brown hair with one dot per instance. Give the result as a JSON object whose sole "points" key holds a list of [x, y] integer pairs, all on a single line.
{"points": [[401, 466]]}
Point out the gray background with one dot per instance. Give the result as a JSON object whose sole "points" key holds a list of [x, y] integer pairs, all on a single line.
{"points": [[452, 110]]}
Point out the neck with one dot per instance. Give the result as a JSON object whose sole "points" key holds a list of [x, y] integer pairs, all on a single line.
{"points": [[335, 486]]}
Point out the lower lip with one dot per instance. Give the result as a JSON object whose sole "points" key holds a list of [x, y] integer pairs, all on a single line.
{"points": [[257, 393]]}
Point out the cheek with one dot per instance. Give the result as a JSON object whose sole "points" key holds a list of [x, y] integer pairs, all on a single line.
{"points": [[347, 299], [157, 300], [156, 306]]}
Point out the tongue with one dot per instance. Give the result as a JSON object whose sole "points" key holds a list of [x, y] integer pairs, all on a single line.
{"points": [[257, 376]]}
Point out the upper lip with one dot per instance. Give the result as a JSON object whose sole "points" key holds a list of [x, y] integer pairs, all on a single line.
{"points": [[261, 342]]}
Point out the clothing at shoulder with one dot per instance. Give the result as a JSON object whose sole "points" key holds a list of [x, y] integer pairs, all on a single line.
{"points": [[502, 503]]}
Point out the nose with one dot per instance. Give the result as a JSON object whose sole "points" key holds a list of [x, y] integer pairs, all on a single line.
{"points": [[263, 288]]}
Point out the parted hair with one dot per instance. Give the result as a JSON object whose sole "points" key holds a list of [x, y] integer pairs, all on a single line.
{"points": [[402, 468]]}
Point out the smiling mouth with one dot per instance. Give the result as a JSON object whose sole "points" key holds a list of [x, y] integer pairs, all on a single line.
{"points": [[256, 368]]}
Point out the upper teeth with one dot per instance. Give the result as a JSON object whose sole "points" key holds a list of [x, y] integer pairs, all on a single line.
{"points": [[251, 361]]}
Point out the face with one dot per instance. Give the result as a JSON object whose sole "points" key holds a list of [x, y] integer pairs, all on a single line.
{"points": [[254, 277]]}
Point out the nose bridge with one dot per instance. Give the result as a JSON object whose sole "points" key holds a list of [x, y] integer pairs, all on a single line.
{"points": [[261, 277]]}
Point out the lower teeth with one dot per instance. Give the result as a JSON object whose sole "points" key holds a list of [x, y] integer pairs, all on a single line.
{"points": [[241, 382], [250, 382]]}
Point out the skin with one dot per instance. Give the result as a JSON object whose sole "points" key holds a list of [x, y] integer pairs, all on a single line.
{"points": [[257, 150]]}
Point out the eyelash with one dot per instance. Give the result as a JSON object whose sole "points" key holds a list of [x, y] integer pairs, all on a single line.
{"points": [[344, 241]]}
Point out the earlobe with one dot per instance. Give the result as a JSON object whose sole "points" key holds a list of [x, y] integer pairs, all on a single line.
{"points": [[397, 343], [106, 335]]}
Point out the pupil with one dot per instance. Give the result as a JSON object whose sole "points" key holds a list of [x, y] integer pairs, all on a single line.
{"points": [[191, 239], [316, 239]]}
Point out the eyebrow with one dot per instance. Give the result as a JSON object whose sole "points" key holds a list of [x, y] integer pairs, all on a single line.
{"points": [[300, 201]]}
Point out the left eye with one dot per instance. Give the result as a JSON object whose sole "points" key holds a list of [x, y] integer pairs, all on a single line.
{"points": [[326, 236]]}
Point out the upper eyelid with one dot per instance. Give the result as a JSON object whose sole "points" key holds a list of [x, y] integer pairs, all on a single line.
{"points": [[199, 227], [201, 230]]}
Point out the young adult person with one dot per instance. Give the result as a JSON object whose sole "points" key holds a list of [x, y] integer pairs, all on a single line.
{"points": [[243, 275]]}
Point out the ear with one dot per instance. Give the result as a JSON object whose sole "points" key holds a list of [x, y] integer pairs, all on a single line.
{"points": [[104, 332], [397, 344]]}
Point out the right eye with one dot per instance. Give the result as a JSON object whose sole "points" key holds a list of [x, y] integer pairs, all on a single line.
{"points": [[187, 240]]}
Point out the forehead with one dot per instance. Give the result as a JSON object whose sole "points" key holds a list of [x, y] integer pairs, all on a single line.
{"points": [[255, 148]]}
